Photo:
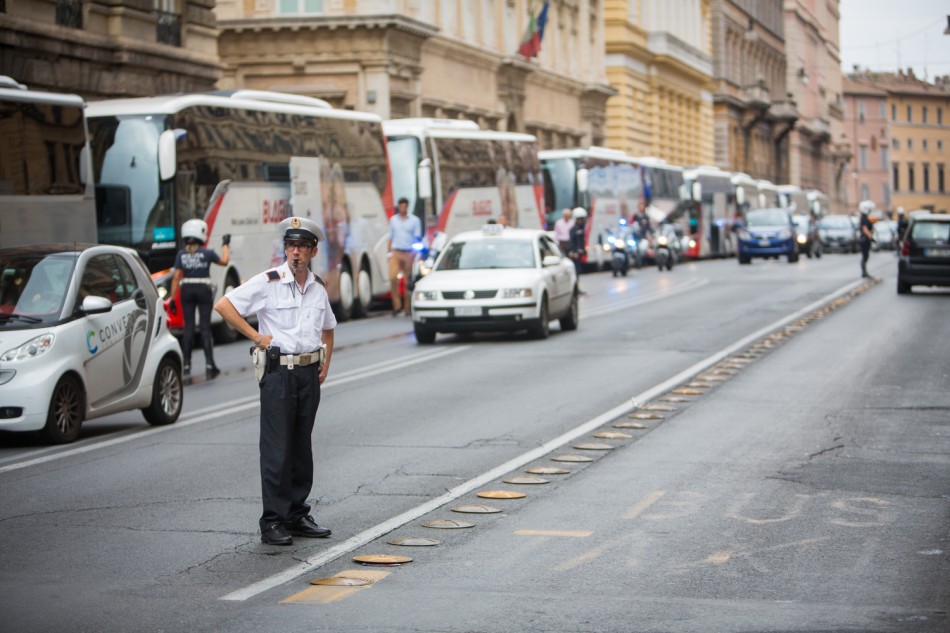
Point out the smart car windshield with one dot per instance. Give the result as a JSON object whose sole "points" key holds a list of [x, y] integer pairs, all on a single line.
{"points": [[482, 254], [33, 287]]}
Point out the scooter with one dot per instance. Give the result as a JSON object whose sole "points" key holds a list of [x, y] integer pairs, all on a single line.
{"points": [[663, 253], [619, 257]]}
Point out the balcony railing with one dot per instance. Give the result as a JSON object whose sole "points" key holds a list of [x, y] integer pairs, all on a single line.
{"points": [[69, 13], [168, 28], [756, 95]]}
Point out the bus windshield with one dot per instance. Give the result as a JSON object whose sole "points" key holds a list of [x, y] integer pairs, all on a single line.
{"points": [[132, 208], [403, 161], [559, 186]]}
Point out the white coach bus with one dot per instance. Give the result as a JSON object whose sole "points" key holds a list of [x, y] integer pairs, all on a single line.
{"points": [[243, 161], [46, 192], [457, 176]]}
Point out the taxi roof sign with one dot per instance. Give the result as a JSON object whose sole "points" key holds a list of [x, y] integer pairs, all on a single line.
{"points": [[493, 228]]}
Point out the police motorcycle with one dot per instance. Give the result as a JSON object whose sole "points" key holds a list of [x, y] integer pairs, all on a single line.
{"points": [[623, 249], [426, 254], [665, 247]]}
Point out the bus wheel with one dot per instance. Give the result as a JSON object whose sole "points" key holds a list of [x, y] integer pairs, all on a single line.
{"points": [[345, 306], [364, 296]]}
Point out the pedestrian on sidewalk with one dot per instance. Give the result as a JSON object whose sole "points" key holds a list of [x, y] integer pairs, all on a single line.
{"points": [[292, 354]]}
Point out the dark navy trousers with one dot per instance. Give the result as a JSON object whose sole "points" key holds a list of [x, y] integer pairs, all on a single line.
{"points": [[289, 402]]}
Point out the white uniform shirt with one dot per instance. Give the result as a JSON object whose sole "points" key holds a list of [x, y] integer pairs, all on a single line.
{"points": [[294, 319]]}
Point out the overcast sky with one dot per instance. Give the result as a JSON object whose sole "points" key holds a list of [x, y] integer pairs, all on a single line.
{"points": [[888, 34]]}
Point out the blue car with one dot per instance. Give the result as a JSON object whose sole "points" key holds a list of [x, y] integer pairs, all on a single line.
{"points": [[767, 233]]}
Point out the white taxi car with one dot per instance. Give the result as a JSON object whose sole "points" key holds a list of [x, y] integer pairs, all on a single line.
{"points": [[82, 335], [496, 279]]}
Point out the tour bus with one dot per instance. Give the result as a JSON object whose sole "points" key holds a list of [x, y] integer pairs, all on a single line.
{"points": [[793, 198], [712, 188], [46, 192], [768, 194], [668, 201], [605, 182], [747, 193], [457, 176], [243, 161]]}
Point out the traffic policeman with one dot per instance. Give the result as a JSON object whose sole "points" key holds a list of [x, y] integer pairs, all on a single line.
{"points": [[292, 351]]}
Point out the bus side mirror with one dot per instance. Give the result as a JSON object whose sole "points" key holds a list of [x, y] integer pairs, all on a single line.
{"points": [[697, 191], [84, 165], [583, 180], [740, 196], [424, 178], [167, 154]]}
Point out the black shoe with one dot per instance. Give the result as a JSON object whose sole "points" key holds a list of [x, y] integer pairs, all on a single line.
{"points": [[306, 526], [186, 369], [212, 372], [276, 535]]}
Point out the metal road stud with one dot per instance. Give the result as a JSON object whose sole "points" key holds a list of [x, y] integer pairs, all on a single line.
{"points": [[527, 481], [687, 391], [658, 407], [571, 458], [641, 416], [593, 446], [447, 524], [675, 399], [476, 508], [387, 560], [500, 494], [636, 425], [415, 541], [612, 435], [548, 470]]}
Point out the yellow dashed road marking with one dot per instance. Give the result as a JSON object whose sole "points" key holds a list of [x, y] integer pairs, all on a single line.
{"points": [[322, 594], [567, 533]]}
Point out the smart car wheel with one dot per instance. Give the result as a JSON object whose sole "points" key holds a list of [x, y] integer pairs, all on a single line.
{"points": [[66, 411], [167, 394]]}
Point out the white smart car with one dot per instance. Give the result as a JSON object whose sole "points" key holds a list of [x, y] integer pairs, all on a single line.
{"points": [[496, 279], [82, 335]]}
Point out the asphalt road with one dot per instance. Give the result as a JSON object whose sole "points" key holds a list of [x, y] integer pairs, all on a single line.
{"points": [[803, 488]]}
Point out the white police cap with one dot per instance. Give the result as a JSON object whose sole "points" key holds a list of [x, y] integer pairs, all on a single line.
{"points": [[294, 228]]}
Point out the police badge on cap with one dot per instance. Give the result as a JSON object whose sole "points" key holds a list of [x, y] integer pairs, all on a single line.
{"points": [[294, 228]]}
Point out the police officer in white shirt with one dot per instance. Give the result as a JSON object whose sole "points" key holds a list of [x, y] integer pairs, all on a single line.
{"points": [[295, 322]]}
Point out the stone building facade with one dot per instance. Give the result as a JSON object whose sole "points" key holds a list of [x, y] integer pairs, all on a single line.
{"points": [[867, 131], [429, 58], [110, 48], [753, 111], [659, 60], [818, 152]]}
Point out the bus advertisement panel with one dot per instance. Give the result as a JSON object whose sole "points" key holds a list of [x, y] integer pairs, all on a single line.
{"points": [[46, 192], [243, 161], [457, 177], [604, 182]]}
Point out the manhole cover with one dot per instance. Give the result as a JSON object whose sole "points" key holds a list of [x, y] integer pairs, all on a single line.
{"points": [[686, 391], [548, 470], [612, 435], [527, 481], [336, 581], [382, 559], [447, 524], [571, 458], [414, 541], [500, 494], [635, 425], [475, 508], [593, 446]]}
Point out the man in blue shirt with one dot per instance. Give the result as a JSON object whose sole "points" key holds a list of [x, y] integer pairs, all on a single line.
{"points": [[404, 231]]}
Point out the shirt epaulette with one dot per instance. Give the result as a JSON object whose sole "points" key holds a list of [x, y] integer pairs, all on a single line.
{"points": [[319, 281], [272, 275]]}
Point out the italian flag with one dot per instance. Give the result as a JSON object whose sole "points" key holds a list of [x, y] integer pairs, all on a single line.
{"points": [[531, 42]]}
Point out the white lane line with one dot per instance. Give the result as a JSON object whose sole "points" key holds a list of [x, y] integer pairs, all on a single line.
{"points": [[371, 534], [693, 284], [235, 407]]}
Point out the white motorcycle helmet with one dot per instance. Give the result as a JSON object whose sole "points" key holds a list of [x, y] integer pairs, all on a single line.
{"points": [[866, 206], [579, 213], [195, 230]]}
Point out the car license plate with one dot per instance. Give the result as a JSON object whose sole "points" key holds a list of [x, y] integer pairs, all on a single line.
{"points": [[938, 252], [763, 242], [468, 311]]}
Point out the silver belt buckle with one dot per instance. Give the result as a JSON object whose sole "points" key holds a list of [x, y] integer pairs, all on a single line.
{"points": [[290, 362]]}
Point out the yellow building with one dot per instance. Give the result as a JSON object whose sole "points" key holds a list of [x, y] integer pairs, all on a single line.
{"points": [[919, 121], [659, 60]]}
